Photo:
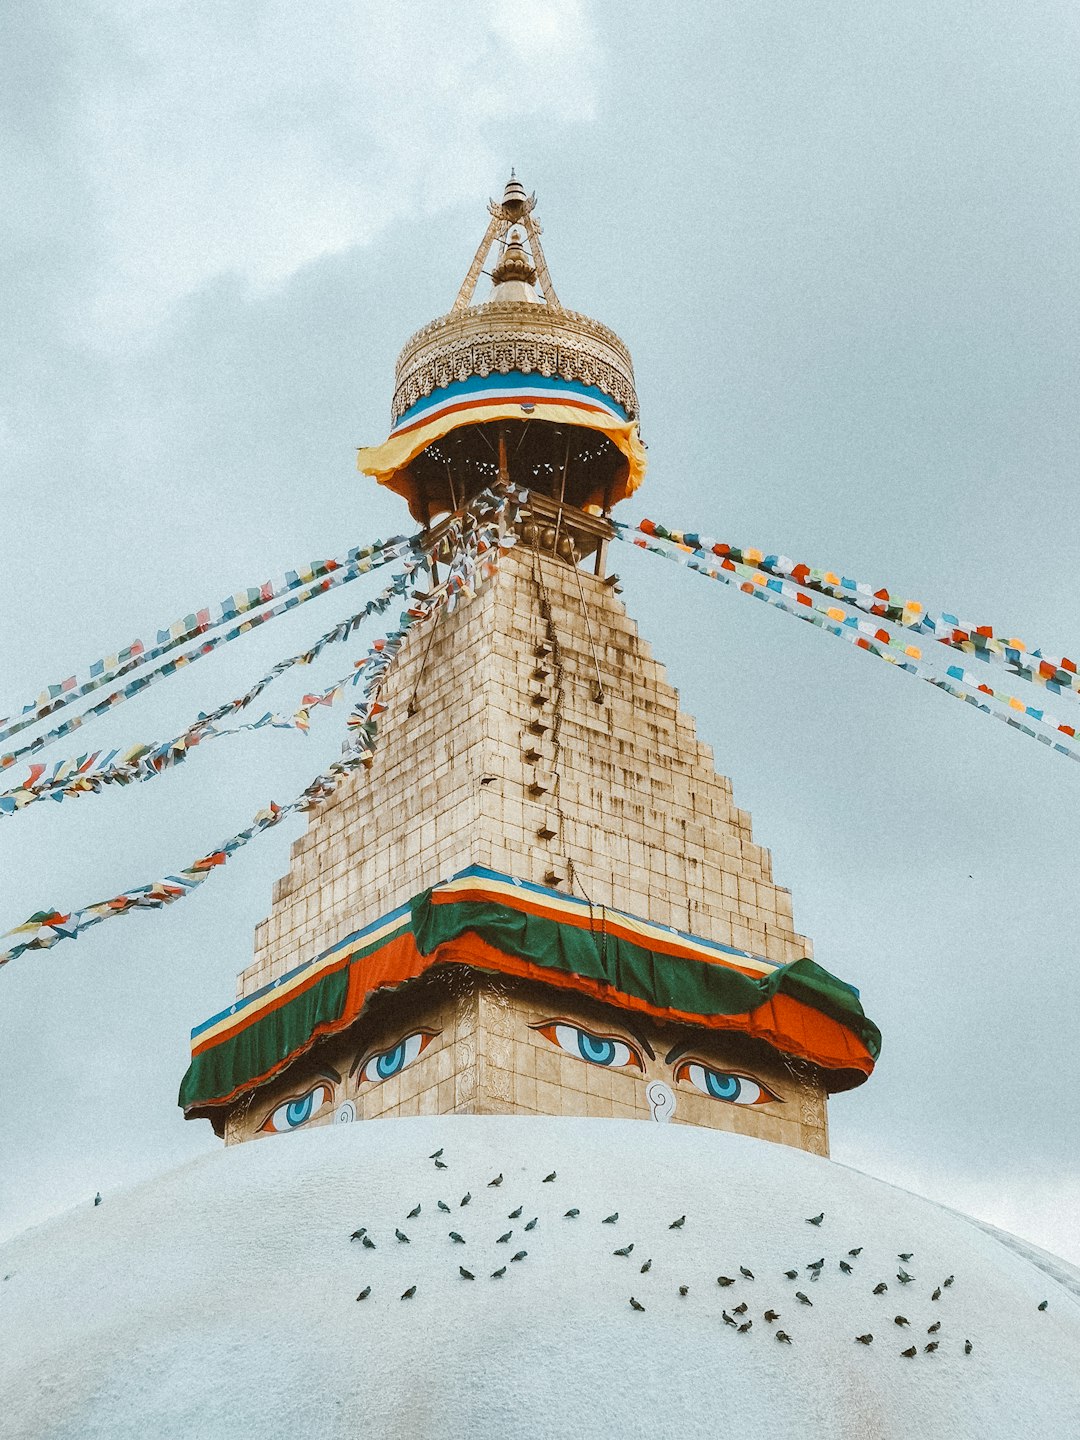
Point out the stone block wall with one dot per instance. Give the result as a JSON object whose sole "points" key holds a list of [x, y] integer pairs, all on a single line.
{"points": [[533, 732]]}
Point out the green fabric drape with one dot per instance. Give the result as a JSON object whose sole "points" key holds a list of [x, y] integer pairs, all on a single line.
{"points": [[695, 987]]}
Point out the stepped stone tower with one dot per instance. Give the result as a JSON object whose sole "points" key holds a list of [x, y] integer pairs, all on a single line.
{"points": [[539, 898]]}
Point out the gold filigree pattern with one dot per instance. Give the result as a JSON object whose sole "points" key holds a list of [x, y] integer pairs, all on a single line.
{"points": [[504, 336]]}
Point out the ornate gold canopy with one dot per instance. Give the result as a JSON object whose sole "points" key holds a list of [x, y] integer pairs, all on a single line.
{"points": [[516, 381]]}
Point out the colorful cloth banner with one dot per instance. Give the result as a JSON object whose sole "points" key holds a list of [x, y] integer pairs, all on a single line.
{"points": [[491, 922], [1058, 675], [384, 554], [112, 667], [846, 626], [89, 774], [480, 399]]}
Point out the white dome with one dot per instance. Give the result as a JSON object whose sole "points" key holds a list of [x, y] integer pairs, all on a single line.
{"points": [[220, 1299]]}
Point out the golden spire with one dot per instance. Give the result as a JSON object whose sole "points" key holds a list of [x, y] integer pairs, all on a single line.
{"points": [[515, 208]]}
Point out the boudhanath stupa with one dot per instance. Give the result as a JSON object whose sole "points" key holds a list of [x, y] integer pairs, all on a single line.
{"points": [[535, 938]]}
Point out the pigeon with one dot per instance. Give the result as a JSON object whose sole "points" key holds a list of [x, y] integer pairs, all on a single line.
{"points": [[548, 1178], [610, 1219], [400, 1234], [846, 1268], [97, 1198], [900, 1320], [791, 1274], [465, 1274], [367, 1242], [437, 1155], [532, 1223], [571, 1214], [929, 1349], [519, 1256], [967, 1347], [904, 1277], [771, 1315], [855, 1252], [816, 1219], [625, 1250], [634, 1304], [934, 1328], [646, 1267], [493, 1183], [364, 1293], [465, 1198], [728, 1320], [745, 1326], [440, 1165], [937, 1293], [359, 1234], [740, 1309], [747, 1274], [457, 1239], [443, 1206], [409, 1293], [1043, 1304], [880, 1288], [864, 1339], [684, 1290], [413, 1213], [816, 1264], [498, 1274], [783, 1337], [516, 1214], [906, 1257], [948, 1281], [504, 1238], [803, 1299], [724, 1281], [910, 1352], [677, 1224]]}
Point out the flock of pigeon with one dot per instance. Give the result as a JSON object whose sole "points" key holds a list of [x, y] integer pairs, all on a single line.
{"points": [[739, 1317]]}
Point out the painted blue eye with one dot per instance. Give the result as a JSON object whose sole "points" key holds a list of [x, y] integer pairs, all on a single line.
{"points": [[735, 1089], [297, 1111], [294, 1113], [596, 1049], [388, 1063]]}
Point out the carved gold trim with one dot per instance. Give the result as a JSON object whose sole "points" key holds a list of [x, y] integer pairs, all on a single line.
{"points": [[503, 336]]}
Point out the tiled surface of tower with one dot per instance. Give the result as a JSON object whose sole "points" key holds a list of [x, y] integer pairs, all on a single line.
{"points": [[629, 792]]}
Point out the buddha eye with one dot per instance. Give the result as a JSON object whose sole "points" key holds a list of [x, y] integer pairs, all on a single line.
{"points": [[606, 1050], [294, 1113], [720, 1085], [387, 1063]]}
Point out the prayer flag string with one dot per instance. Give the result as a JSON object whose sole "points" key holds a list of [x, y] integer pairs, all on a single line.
{"points": [[89, 774], [846, 626], [1057, 675], [479, 537], [137, 654], [384, 555]]}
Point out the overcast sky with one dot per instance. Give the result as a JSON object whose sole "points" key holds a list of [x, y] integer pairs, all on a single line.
{"points": [[840, 240]]}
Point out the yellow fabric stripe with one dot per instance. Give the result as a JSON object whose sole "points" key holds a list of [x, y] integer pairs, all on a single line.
{"points": [[385, 460]]}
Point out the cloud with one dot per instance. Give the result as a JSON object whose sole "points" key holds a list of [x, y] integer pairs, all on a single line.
{"points": [[255, 139]]}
